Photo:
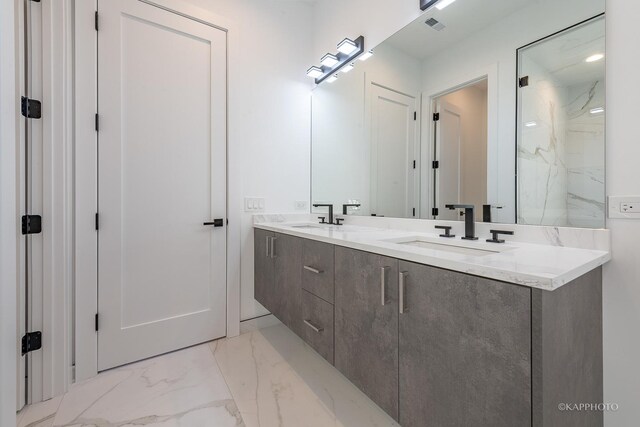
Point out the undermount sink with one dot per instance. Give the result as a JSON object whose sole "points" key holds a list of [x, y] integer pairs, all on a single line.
{"points": [[454, 246]]}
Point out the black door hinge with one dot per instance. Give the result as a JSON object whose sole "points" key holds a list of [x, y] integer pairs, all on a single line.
{"points": [[434, 211], [435, 164], [414, 164], [31, 108], [414, 211], [31, 224], [97, 122], [32, 341], [436, 117], [524, 81], [97, 221], [97, 324], [96, 20], [415, 115]]}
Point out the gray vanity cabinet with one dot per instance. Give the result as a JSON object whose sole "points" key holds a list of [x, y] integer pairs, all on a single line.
{"points": [[366, 324], [465, 350], [434, 347], [278, 277]]}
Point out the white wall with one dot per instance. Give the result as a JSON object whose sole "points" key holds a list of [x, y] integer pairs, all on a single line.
{"points": [[378, 19], [270, 48], [621, 275], [8, 223]]}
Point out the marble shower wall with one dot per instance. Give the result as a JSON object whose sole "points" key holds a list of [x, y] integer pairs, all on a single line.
{"points": [[561, 125], [585, 156], [542, 168]]}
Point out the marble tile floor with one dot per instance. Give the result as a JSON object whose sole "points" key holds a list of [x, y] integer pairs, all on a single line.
{"points": [[265, 377]]}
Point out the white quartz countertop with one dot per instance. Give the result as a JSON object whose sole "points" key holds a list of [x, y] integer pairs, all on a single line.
{"points": [[534, 265]]}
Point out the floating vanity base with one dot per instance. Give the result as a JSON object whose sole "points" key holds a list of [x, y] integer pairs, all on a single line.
{"points": [[437, 347]]}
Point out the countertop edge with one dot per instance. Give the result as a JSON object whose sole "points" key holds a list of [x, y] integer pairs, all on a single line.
{"points": [[517, 278]]}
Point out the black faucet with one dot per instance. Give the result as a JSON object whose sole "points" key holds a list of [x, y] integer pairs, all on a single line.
{"points": [[348, 205], [469, 220], [330, 206]]}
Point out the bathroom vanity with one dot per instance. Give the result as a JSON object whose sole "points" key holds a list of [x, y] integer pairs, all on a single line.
{"points": [[442, 332]]}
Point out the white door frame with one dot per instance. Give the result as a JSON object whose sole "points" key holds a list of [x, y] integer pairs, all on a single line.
{"points": [[50, 298], [490, 73], [86, 184], [71, 258]]}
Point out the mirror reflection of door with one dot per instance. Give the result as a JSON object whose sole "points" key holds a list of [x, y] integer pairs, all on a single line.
{"points": [[393, 144], [460, 149]]}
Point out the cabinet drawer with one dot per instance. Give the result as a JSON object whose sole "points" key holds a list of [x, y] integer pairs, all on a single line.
{"points": [[317, 320], [317, 270]]}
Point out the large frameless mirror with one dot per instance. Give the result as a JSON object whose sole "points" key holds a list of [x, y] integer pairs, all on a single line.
{"points": [[437, 116]]}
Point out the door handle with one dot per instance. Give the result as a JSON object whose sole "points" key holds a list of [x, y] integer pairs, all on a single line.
{"points": [[402, 292], [218, 222], [383, 285]]}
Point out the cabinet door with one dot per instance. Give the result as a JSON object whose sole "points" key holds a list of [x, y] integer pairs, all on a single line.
{"points": [[264, 285], [465, 350], [366, 329], [287, 254]]}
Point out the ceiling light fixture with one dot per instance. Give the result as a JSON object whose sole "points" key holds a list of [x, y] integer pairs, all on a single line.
{"points": [[329, 60], [597, 110], [314, 72], [347, 46], [594, 58], [333, 78], [440, 4], [366, 55]]}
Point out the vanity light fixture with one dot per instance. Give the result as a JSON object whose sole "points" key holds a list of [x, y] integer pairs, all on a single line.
{"points": [[594, 58], [347, 46], [329, 60], [440, 4], [342, 61], [597, 110], [314, 72], [531, 124], [348, 67], [333, 78], [366, 55]]}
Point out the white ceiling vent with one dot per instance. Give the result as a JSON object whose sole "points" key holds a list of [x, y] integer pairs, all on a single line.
{"points": [[435, 24]]}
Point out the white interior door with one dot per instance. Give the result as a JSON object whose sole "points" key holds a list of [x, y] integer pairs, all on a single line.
{"points": [[393, 152], [162, 174], [448, 154]]}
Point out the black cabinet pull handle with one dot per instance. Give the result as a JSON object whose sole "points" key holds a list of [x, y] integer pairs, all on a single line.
{"points": [[218, 222]]}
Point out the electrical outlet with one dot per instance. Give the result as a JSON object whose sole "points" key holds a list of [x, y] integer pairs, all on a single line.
{"points": [[301, 205], [254, 204], [624, 207]]}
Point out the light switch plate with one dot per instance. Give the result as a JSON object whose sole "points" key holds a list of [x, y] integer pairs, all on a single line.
{"points": [[254, 204], [624, 207]]}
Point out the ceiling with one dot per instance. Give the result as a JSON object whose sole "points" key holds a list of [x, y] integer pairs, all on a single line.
{"points": [[462, 19]]}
